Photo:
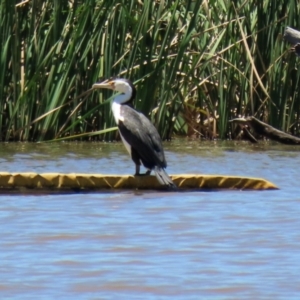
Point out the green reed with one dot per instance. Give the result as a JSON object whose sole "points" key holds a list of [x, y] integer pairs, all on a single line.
{"points": [[196, 65]]}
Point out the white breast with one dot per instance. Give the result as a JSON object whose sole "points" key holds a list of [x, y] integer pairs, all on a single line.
{"points": [[127, 146], [116, 109]]}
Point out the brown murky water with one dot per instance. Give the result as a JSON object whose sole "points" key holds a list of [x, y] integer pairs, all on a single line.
{"points": [[136, 245]]}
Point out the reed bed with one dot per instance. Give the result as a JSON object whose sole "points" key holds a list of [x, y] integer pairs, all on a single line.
{"points": [[196, 65]]}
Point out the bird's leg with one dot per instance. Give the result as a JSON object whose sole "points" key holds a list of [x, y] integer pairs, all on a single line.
{"points": [[136, 159], [137, 170]]}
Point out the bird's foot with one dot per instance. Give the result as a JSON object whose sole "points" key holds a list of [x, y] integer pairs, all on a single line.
{"points": [[143, 174]]}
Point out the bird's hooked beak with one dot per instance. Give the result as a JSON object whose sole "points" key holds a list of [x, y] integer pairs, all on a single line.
{"points": [[106, 84]]}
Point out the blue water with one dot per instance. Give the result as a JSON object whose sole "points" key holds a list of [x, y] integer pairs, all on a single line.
{"points": [[152, 245]]}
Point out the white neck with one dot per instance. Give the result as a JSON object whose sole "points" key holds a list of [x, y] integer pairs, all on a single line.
{"points": [[117, 103], [122, 98], [116, 106]]}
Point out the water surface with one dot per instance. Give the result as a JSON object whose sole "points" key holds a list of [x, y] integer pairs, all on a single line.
{"points": [[152, 245]]}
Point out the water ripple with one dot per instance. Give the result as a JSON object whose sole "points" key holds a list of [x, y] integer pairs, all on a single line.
{"points": [[138, 245]]}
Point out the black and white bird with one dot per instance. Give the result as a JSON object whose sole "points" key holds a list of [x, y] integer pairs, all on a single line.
{"points": [[138, 134]]}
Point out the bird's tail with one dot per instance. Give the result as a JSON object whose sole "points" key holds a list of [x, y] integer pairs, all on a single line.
{"points": [[164, 178]]}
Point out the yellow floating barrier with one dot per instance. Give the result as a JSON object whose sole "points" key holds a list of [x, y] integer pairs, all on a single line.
{"points": [[94, 182]]}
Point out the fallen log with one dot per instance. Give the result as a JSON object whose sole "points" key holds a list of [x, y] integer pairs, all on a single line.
{"points": [[268, 131]]}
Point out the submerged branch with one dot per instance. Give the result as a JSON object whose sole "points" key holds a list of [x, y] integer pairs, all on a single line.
{"points": [[268, 131]]}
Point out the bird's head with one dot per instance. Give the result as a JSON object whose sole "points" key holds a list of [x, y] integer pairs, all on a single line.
{"points": [[121, 85]]}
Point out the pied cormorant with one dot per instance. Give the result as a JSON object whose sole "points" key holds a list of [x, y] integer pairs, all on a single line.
{"points": [[138, 134]]}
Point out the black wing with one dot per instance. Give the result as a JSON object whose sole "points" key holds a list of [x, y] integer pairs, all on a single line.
{"points": [[143, 137]]}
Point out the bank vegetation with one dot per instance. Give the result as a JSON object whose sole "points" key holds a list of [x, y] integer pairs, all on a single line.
{"points": [[196, 65]]}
